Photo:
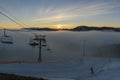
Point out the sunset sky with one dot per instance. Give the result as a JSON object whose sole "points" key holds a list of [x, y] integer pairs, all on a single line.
{"points": [[60, 13]]}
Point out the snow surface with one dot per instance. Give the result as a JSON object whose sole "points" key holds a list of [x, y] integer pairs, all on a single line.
{"points": [[105, 69]]}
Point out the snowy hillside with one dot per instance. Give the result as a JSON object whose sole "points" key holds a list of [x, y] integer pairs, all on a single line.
{"points": [[105, 69]]}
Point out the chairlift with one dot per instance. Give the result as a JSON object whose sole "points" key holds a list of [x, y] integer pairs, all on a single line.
{"points": [[32, 42], [44, 45], [6, 39]]}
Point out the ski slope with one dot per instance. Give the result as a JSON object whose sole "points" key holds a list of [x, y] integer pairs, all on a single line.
{"points": [[105, 69]]}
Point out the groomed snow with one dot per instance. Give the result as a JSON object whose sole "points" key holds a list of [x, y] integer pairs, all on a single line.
{"points": [[105, 69]]}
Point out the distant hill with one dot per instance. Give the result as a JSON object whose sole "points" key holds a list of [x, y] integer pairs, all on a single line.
{"points": [[87, 28], [41, 29], [78, 28]]}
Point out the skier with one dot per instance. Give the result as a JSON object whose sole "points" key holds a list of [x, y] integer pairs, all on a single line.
{"points": [[92, 70]]}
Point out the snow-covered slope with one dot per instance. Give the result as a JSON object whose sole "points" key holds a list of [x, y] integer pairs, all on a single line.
{"points": [[75, 70]]}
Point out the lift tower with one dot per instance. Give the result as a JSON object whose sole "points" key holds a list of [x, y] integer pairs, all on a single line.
{"points": [[40, 41]]}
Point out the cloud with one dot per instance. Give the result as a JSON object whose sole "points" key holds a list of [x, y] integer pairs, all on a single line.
{"points": [[70, 12]]}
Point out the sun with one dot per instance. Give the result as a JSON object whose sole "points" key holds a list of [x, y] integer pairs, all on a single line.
{"points": [[59, 26]]}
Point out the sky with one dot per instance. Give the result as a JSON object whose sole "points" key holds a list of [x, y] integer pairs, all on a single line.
{"points": [[59, 13]]}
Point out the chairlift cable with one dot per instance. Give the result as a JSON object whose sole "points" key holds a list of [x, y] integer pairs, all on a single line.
{"points": [[20, 23], [10, 18], [9, 13], [14, 19]]}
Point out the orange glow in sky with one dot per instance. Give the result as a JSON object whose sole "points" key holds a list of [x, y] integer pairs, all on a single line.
{"points": [[59, 13]]}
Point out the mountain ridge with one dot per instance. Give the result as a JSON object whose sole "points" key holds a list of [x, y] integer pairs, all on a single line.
{"points": [[78, 28]]}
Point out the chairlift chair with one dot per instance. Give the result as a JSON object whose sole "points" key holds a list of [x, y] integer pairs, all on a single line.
{"points": [[32, 42], [6, 39], [44, 42], [44, 45]]}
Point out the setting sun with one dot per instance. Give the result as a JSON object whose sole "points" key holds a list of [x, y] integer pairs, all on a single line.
{"points": [[59, 26]]}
